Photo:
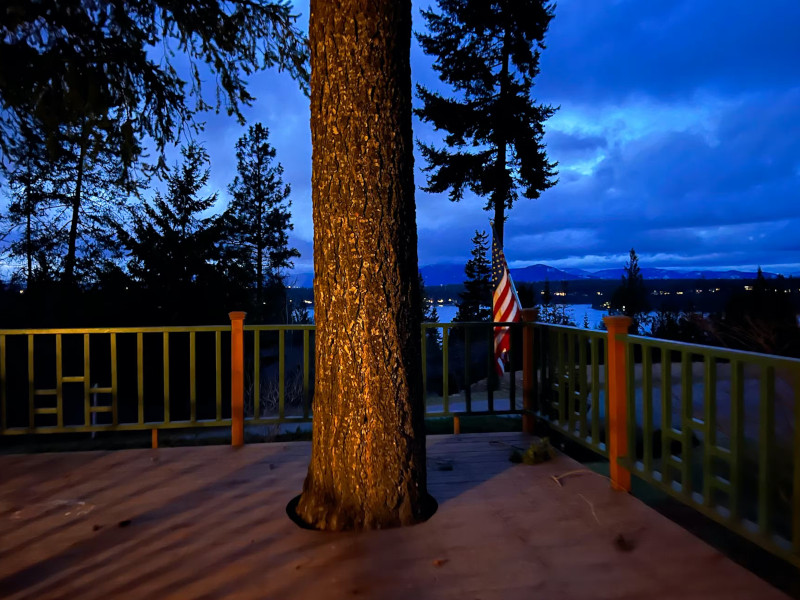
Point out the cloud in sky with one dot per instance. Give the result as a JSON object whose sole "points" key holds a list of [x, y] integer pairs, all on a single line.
{"points": [[678, 134]]}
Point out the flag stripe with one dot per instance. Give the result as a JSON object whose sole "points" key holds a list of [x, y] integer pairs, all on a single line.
{"points": [[505, 306]]}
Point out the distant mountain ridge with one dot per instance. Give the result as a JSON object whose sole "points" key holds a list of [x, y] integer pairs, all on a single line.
{"points": [[444, 274], [448, 274]]}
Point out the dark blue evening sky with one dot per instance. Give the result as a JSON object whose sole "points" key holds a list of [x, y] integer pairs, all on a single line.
{"points": [[678, 135]]}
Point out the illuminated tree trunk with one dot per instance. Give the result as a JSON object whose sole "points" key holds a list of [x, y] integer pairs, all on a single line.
{"points": [[368, 460]]}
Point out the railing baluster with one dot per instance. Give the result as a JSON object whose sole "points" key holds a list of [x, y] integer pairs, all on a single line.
{"points": [[512, 379], [666, 416], [766, 433], [796, 466], [630, 383], [306, 335], [192, 376], [281, 372], [256, 373], [31, 385], [737, 439], [59, 381], [569, 369], [424, 360], [491, 373], [218, 367], [3, 384], [528, 371], [467, 360], [583, 385], [561, 375], [686, 423], [538, 369], [114, 387], [606, 392], [165, 354], [87, 380], [445, 369], [140, 375], [710, 421], [552, 371], [594, 356], [647, 409]]}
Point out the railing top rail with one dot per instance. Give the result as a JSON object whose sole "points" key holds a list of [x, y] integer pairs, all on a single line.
{"points": [[574, 329], [429, 325], [291, 327], [92, 330], [713, 351]]}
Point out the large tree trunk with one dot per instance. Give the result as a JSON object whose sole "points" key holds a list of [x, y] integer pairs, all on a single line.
{"points": [[259, 241], [368, 460], [501, 189], [28, 226], [71, 258]]}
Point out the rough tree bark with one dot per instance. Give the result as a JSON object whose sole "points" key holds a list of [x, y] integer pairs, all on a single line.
{"points": [[368, 460]]}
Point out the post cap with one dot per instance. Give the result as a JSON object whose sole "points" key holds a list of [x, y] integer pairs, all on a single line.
{"points": [[617, 322], [530, 314], [237, 315]]}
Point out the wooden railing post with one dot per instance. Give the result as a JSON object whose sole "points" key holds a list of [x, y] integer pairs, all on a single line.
{"points": [[237, 377], [529, 315], [617, 419]]}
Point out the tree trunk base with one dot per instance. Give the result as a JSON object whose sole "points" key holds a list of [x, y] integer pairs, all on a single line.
{"points": [[428, 507]]}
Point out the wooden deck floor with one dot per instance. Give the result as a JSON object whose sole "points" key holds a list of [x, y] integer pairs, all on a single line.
{"points": [[210, 522]]}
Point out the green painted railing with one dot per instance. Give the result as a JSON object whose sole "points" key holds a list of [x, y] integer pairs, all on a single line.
{"points": [[570, 391], [720, 430], [120, 379], [100, 379], [717, 429], [461, 355], [269, 398]]}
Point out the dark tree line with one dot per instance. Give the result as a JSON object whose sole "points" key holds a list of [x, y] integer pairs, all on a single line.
{"points": [[760, 319], [176, 257]]}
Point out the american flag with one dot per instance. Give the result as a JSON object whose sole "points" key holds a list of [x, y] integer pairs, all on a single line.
{"points": [[505, 306]]}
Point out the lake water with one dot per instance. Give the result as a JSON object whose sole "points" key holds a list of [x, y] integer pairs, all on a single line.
{"points": [[576, 312]]}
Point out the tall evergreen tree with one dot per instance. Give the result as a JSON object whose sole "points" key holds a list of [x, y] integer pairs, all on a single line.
{"points": [[488, 53], [476, 299], [367, 466], [175, 251], [258, 216], [630, 298], [26, 224]]}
